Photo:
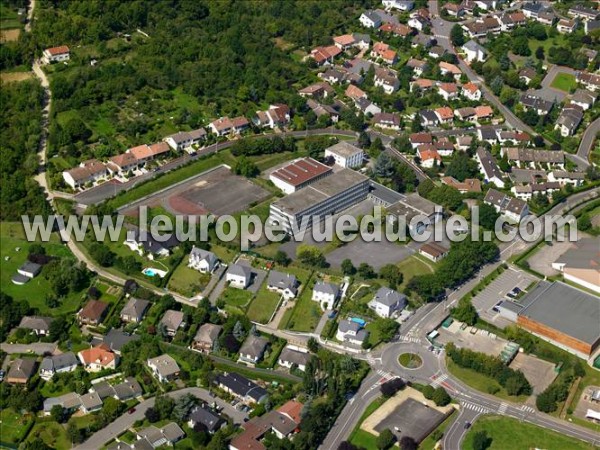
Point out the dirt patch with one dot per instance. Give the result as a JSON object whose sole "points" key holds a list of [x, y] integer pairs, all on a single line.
{"points": [[11, 77], [9, 35], [538, 372]]}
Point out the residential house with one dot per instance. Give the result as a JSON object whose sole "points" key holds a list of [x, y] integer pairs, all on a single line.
{"points": [[474, 51], [529, 156], [239, 276], [56, 54], [326, 294], [40, 325], [29, 270], [116, 339], [92, 313], [134, 310], [464, 142], [527, 75], [510, 207], [386, 79], [253, 349], [454, 9], [164, 368], [590, 26], [388, 121], [21, 370], [172, 321], [145, 153], [418, 23], [539, 105], [186, 139], [590, 80], [345, 154], [362, 40], [90, 402], [566, 26], [422, 40], [202, 416], [281, 426], [397, 29], [563, 177], [444, 147], [417, 65], [282, 283], [370, 19], [387, 302], [465, 114], [417, 139], [532, 9], [355, 92], [428, 118], [87, 172], [344, 42], [367, 106], [202, 260], [447, 68], [400, 5], [293, 356], [241, 388], [433, 251], [277, 116], [321, 89], [547, 17], [484, 112], [122, 164], [168, 434], [206, 337], [469, 185], [583, 12], [70, 402], [471, 91], [98, 358], [569, 119], [325, 55], [526, 192], [323, 110], [448, 90], [352, 332], [436, 52], [62, 363], [584, 99], [224, 125], [488, 168], [444, 114]]}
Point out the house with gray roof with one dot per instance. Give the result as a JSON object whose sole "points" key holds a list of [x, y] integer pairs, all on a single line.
{"points": [[474, 51], [242, 388], [65, 362], [164, 368], [70, 401], [370, 19], [205, 417], [172, 321], [134, 310], [489, 168], [584, 98], [326, 294], [168, 434], [512, 208], [21, 370], [206, 336], [90, 402], [352, 332], [387, 302], [291, 356], [569, 119], [202, 260], [40, 325], [238, 276], [116, 339], [253, 349], [128, 389], [282, 283]]}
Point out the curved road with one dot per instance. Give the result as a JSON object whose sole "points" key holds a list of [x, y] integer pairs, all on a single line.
{"points": [[587, 140]]}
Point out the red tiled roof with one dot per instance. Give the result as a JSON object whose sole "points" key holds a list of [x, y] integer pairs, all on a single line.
{"points": [[93, 310], [58, 50], [301, 171], [421, 138], [454, 70], [426, 155], [471, 87], [292, 409], [484, 111], [449, 87], [346, 39], [99, 355], [124, 159], [355, 92], [445, 112]]}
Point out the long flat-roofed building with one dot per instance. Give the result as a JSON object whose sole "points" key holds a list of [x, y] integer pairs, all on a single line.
{"points": [[327, 196], [563, 315], [581, 263], [299, 174]]}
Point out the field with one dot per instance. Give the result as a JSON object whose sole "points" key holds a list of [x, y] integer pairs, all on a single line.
{"points": [[564, 82], [510, 433], [52, 433], [304, 316], [12, 237], [236, 297], [187, 281], [9, 17], [412, 267], [14, 426], [263, 306], [10, 35]]}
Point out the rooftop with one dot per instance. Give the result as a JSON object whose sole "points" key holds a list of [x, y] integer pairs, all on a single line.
{"points": [[301, 171]]}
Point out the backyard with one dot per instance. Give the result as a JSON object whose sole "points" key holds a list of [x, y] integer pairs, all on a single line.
{"points": [[52, 433], [236, 297], [516, 435], [14, 425], [186, 281], [263, 306]]}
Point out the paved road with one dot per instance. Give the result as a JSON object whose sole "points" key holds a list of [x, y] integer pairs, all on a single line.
{"points": [[126, 421], [38, 348], [587, 141]]}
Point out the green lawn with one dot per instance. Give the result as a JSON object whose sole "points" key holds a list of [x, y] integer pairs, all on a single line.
{"points": [[52, 433], [263, 306], [224, 254], [564, 82], [507, 433], [14, 425], [412, 267], [236, 297], [361, 438], [410, 360], [187, 281], [305, 314], [429, 443], [481, 382], [12, 237]]}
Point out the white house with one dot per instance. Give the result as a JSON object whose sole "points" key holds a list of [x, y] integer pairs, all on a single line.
{"points": [[489, 168], [471, 91], [202, 260], [292, 355], [352, 332], [387, 302], [282, 283], [326, 294], [98, 358], [56, 54], [238, 276], [88, 171], [370, 19], [418, 23], [386, 79], [185, 139], [345, 154], [164, 368], [400, 5], [65, 362], [474, 51]]}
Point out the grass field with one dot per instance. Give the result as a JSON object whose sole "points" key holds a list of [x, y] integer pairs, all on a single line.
{"points": [[361, 438], [410, 360], [187, 281], [236, 297], [429, 443], [52, 433], [263, 306], [507, 433], [12, 237], [410, 268], [14, 425], [224, 254], [481, 382], [564, 82], [304, 316]]}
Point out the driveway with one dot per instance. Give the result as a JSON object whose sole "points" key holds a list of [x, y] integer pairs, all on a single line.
{"points": [[126, 421], [38, 348]]}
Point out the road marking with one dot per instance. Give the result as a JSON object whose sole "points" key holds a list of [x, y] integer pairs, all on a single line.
{"points": [[502, 409], [475, 407], [439, 380], [528, 409]]}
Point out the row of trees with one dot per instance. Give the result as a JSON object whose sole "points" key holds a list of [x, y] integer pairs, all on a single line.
{"points": [[512, 380]]}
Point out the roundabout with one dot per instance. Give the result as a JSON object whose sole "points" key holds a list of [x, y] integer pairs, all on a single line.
{"points": [[410, 361]]}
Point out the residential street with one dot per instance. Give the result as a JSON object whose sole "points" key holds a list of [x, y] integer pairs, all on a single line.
{"points": [[587, 141], [37, 348]]}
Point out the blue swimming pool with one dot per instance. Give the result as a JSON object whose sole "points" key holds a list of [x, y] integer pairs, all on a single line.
{"points": [[149, 272], [361, 322]]}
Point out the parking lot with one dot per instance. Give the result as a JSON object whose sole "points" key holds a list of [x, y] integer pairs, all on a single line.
{"points": [[538, 372], [496, 291], [585, 402], [480, 341], [541, 261], [376, 254]]}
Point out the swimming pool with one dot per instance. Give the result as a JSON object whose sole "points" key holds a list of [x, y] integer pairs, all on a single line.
{"points": [[361, 322], [150, 272]]}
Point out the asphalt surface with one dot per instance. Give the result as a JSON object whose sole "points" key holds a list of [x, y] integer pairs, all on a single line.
{"points": [[38, 348], [587, 140]]}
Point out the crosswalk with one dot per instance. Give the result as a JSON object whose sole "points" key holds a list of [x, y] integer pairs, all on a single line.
{"points": [[413, 339], [385, 374], [438, 381], [502, 408], [475, 407], [528, 409]]}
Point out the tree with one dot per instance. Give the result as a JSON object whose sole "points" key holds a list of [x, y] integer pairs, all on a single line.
{"points": [[366, 271], [311, 255], [584, 223], [540, 53], [238, 331], [347, 267], [245, 167], [281, 258], [364, 141], [164, 406], [183, 406], [152, 415], [428, 392], [391, 273], [441, 397], [520, 46], [313, 345], [488, 216], [462, 166], [384, 166], [58, 413], [408, 443], [389, 388], [457, 36], [59, 329], [481, 441], [465, 312], [385, 439]]}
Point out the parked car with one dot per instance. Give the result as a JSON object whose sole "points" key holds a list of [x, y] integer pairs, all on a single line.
{"points": [[131, 411]]}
